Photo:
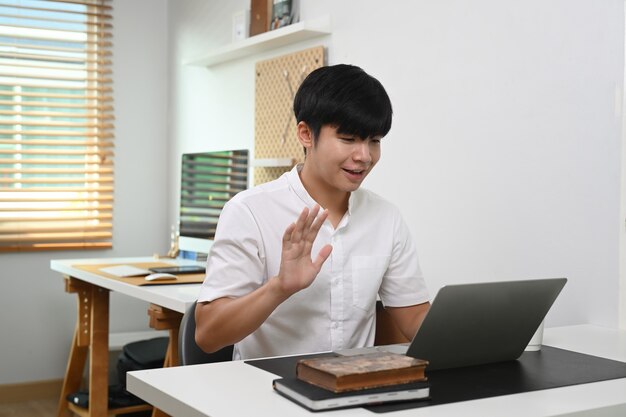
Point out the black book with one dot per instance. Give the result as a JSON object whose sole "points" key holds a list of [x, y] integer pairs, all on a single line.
{"points": [[316, 398], [179, 269]]}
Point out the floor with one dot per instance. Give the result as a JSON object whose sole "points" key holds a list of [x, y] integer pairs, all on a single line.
{"points": [[43, 408], [32, 408]]}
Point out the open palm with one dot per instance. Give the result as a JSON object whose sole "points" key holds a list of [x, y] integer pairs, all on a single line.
{"points": [[297, 269]]}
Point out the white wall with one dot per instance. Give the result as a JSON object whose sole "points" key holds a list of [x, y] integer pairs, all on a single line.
{"points": [[504, 155], [37, 317]]}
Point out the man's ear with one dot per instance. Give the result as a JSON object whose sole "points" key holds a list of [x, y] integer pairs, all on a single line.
{"points": [[305, 135]]}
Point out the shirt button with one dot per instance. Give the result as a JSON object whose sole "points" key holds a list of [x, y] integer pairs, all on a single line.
{"points": [[335, 324]]}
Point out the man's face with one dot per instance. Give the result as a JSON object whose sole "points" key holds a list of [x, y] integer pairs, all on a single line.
{"points": [[342, 161]]}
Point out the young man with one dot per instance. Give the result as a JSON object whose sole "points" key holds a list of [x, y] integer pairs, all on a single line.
{"points": [[274, 287]]}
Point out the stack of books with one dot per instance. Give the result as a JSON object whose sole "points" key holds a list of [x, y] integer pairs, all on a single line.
{"points": [[326, 383]]}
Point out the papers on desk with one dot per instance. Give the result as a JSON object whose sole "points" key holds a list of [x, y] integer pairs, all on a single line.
{"points": [[125, 271]]}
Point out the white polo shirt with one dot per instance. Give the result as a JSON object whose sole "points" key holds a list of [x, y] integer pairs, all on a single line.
{"points": [[373, 253]]}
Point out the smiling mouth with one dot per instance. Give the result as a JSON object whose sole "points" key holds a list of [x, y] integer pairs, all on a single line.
{"points": [[355, 171]]}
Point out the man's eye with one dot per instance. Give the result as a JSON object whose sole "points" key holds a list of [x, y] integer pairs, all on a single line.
{"points": [[346, 139]]}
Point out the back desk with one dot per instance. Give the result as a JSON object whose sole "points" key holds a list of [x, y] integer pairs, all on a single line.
{"points": [[91, 337]]}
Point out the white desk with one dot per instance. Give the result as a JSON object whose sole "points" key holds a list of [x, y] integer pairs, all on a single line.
{"points": [[168, 303], [237, 389], [173, 297]]}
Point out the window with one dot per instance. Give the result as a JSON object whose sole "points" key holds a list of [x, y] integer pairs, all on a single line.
{"points": [[56, 125]]}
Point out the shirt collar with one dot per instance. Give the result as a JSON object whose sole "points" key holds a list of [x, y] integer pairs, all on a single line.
{"points": [[296, 184]]}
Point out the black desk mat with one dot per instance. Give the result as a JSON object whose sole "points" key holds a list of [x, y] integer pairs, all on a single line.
{"points": [[548, 368]]}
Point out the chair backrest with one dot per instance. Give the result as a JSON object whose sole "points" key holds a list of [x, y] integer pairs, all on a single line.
{"points": [[188, 351]]}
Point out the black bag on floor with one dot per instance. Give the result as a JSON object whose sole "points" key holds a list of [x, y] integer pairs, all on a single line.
{"points": [[118, 398], [135, 356], [145, 354]]}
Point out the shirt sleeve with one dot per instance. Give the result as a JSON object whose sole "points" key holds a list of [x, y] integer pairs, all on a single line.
{"points": [[403, 284], [235, 265]]}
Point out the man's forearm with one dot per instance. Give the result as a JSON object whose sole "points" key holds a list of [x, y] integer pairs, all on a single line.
{"points": [[409, 319], [226, 321]]}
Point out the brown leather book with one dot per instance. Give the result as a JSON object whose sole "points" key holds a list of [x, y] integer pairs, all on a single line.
{"points": [[260, 15], [349, 373]]}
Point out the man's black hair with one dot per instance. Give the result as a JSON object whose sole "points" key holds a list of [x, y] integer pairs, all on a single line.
{"points": [[345, 97]]}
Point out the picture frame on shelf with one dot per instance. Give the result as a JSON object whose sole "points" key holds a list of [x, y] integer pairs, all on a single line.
{"points": [[284, 13]]}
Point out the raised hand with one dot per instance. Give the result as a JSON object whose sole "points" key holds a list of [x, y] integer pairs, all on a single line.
{"points": [[297, 269]]}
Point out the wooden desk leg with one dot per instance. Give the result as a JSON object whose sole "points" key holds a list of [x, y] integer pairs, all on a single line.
{"points": [[73, 373], [99, 355], [162, 318], [91, 333], [171, 355], [158, 413], [80, 343]]}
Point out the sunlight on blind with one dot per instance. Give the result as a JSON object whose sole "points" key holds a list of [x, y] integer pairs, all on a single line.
{"points": [[56, 125]]}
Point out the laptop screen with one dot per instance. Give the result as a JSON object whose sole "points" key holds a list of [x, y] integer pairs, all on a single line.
{"points": [[472, 324]]}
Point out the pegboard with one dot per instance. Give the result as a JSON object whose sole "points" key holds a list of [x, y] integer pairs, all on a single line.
{"points": [[277, 81]]}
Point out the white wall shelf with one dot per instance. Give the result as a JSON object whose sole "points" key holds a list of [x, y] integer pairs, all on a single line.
{"points": [[293, 33]]}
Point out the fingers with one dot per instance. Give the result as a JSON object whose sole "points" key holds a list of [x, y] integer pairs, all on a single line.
{"points": [[311, 217], [297, 269], [287, 234], [323, 254], [304, 231], [298, 230], [316, 224], [307, 225]]}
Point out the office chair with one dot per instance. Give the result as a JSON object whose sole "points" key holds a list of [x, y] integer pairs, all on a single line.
{"points": [[188, 351]]}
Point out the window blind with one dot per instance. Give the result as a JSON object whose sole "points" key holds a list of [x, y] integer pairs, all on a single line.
{"points": [[56, 125], [208, 181]]}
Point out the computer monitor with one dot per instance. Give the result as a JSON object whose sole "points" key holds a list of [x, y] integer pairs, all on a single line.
{"points": [[208, 181]]}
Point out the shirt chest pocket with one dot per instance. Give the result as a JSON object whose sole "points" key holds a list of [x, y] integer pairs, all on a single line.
{"points": [[367, 275]]}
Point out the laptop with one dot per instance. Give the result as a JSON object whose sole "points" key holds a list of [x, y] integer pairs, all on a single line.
{"points": [[474, 324]]}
